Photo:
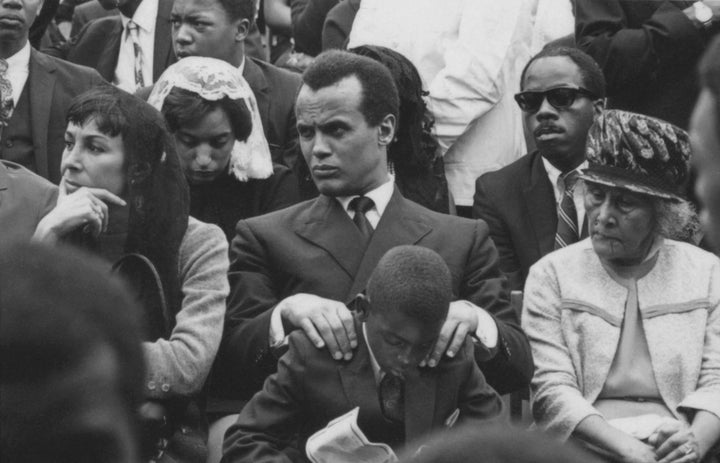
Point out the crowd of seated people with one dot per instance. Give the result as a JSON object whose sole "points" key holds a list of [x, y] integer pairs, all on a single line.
{"points": [[359, 231]]}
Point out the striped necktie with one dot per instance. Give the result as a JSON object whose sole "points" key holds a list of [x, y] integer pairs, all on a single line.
{"points": [[567, 227], [6, 95], [392, 404], [133, 31]]}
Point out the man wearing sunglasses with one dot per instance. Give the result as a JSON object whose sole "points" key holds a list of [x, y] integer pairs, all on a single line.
{"points": [[531, 205]]}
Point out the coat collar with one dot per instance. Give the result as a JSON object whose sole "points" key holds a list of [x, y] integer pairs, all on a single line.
{"points": [[41, 81], [328, 226], [540, 207]]}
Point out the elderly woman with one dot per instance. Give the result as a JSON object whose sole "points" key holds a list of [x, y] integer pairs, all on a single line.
{"points": [[624, 326], [123, 196], [214, 118]]}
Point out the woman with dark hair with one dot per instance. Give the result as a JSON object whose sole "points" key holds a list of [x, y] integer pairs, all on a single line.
{"points": [[625, 325], [212, 113], [123, 196], [413, 156]]}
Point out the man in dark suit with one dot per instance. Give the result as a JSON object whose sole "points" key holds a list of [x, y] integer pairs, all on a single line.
{"points": [[89, 11], [398, 322], [297, 267], [106, 45], [37, 91], [227, 25], [521, 201]]}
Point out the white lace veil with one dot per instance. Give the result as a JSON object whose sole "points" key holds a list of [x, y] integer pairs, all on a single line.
{"points": [[213, 80]]}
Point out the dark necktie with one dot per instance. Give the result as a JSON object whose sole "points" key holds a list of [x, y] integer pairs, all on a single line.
{"points": [[567, 228], [133, 31], [391, 391], [361, 205], [6, 95]]}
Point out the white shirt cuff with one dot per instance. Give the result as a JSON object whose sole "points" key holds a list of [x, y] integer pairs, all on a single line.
{"points": [[277, 331], [486, 332]]}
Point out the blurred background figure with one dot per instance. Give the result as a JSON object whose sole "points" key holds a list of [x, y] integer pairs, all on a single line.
{"points": [[494, 444], [25, 198], [413, 155], [212, 113], [705, 138], [648, 51], [72, 366]]}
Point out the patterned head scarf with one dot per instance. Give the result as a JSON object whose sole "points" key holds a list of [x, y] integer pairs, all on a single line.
{"points": [[638, 153], [212, 80]]}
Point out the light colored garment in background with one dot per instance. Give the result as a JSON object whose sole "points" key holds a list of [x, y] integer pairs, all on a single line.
{"points": [[470, 54]]}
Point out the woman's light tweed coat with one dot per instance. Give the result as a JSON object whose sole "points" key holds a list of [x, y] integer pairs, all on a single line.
{"points": [[572, 314]]}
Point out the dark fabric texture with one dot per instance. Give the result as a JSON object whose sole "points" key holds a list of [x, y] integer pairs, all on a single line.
{"points": [[227, 200], [648, 51], [518, 204], [338, 24], [311, 388], [308, 17], [25, 198], [315, 248]]}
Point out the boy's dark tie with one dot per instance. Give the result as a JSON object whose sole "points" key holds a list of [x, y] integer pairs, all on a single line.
{"points": [[361, 205], [392, 403]]}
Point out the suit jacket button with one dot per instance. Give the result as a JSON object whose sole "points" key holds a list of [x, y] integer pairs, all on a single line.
{"points": [[151, 385], [165, 387], [9, 143]]}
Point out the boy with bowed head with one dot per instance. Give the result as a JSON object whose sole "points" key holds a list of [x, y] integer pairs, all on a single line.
{"points": [[398, 322]]}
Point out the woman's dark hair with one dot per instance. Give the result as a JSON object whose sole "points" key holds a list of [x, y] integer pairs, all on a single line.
{"points": [[183, 108], [413, 153], [156, 190]]}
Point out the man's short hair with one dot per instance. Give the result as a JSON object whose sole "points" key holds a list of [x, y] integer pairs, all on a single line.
{"points": [[240, 9], [414, 281], [70, 341], [590, 72], [379, 94]]}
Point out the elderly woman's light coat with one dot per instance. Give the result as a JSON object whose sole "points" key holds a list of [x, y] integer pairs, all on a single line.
{"points": [[572, 314]]}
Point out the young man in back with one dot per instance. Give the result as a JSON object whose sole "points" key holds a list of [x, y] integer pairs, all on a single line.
{"points": [[398, 322]]}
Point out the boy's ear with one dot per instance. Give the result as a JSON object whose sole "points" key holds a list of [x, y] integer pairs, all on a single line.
{"points": [[361, 305]]}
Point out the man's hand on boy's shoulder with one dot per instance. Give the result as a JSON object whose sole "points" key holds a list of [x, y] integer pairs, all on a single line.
{"points": [[463, 318]]}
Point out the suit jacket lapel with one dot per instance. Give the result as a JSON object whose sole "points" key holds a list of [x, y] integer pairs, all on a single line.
{"points": [[396, 227], [419, 405], [358, 381], [541, 207], [326, 225], [163, 39], [107, 61], [259, 85], [41, 81]]}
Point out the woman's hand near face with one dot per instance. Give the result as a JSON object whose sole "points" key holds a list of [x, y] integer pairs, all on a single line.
{"points": [[83, 207]]}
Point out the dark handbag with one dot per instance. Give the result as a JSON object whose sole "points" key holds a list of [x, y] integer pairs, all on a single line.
{"points": [[174, 429]]}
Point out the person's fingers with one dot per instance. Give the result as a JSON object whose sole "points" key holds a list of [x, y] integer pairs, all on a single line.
{"points": [[678, 453], [309, 329], [327, 334], [662, 433], [107, 197], [62, 189], [346, 317], [670, 446], [103, 212], [442, 342], [338, 329], [458, 340]]}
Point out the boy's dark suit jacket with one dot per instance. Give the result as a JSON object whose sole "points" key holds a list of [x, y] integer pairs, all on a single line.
{"points": [[52, 84], [97, 45], [315, 248], [518, 204], [311, 388]]}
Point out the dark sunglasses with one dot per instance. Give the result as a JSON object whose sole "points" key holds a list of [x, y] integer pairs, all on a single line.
{"points": [[559, 98]]}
